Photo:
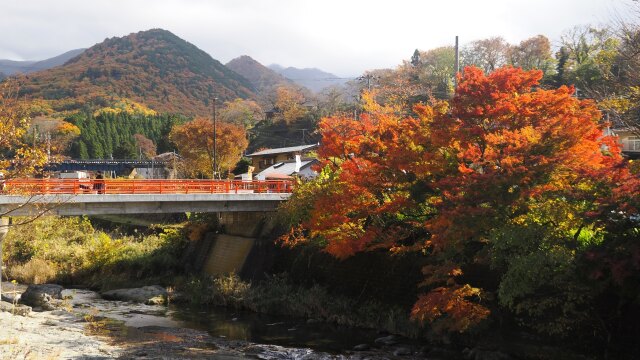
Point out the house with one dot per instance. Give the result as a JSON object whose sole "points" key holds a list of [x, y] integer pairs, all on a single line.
{"points": [[263, 159], [298, 167], [629, 140]]}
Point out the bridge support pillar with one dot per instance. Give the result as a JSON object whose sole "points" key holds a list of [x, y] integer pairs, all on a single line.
{"points": [[4, 230]]}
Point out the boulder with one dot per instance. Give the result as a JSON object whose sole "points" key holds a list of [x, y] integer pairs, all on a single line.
{"points": [[480, 354], [42, 297], [402, 351], [361, 347], [11, 297], [387, 340], [150, 295], [16, 309]]}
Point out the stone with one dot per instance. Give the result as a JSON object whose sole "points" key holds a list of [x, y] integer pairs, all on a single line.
{"points": [[386, 340], [16, 309], [11, 297], [361, 347], [441, 353], [480, 354], [42, 296], [150, 295], [402, 351]]}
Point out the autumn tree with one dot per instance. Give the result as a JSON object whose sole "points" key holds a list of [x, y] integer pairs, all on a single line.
{"points": [[194, 141], [533, 53], [487, 54], [145, 146], [245, 113], [20, 155], [462, 182], [290, 104]]}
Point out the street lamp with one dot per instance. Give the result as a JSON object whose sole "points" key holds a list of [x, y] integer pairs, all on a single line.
{"points": [[214, 139]]}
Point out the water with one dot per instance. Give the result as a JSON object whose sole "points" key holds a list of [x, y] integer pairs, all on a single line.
{"points": [[282, 337], [276, 330]]}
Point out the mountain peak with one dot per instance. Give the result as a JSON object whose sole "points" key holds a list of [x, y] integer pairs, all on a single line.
{"points": [[152, 67], [260, 76], [311, 78]]}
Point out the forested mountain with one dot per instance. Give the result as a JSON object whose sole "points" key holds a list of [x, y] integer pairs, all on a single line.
{"points": [[10, 67], [311, 78], [155, 68], [260, 76]]}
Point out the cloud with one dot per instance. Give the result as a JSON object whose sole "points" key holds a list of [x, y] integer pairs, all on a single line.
{"points": [[344, 37]]}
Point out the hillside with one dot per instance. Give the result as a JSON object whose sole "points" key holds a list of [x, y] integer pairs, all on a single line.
{"points": [[260, 76], [10, 67], [313, 79], [155, 68]]}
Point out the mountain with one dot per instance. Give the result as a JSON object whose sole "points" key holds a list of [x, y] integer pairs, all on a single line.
{"points": [[311, 78], [154, 68], [10, 67], [260, 76]]}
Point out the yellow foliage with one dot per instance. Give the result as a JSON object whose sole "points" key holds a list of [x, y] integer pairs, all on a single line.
{"points": [[126, 106]]}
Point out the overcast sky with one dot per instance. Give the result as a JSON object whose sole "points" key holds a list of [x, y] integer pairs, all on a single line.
{"points": [[344, 37]]}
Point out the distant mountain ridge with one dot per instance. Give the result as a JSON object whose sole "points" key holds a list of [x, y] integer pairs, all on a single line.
{"points": [[260, 76], [313, 79], [155, 68], [11, 67]]}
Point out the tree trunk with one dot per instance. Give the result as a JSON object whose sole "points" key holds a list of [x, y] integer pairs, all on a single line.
{"points": [[4, 229]]}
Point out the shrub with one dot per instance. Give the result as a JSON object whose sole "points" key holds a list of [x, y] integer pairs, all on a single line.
{"points": [[34, 271]]}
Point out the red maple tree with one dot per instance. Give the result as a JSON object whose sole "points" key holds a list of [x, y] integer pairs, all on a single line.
{"points": [[443, 179]]}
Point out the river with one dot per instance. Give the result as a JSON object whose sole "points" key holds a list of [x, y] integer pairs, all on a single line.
{"points": [[242, 334]]}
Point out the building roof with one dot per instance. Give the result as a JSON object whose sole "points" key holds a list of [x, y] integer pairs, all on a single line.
{"points": [[286, 168], [291, 149]]}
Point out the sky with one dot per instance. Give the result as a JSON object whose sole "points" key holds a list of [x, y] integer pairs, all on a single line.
{"points": [[344, 37]]}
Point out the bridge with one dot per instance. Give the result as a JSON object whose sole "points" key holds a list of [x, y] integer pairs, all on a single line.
{"points": [[20, 197]]}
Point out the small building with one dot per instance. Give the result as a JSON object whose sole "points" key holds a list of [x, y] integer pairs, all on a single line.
{"points": [[263, 159], [298, 167], [629, 139]]}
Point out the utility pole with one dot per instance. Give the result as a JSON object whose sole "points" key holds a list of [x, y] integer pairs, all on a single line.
{"points": [[48, 139], [457, 64], [303, 135], [367, 78], [215, 165]]}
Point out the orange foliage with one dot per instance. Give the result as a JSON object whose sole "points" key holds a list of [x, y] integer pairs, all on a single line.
{"points": [[452, 302], [446, 177], [194, 141]]}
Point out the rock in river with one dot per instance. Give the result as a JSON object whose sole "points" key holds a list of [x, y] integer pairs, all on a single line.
{"points": [[387, 340], [41, 296], [150, 295], [16, 309]]}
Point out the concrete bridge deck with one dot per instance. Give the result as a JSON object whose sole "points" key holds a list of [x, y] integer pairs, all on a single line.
{"points": [[95, 197]]}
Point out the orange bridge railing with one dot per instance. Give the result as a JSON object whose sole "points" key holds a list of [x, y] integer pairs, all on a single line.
{"points": [[117, 186]]}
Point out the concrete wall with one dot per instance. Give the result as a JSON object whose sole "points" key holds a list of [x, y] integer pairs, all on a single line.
{"points": [[247, 223], [229, 250], [227, 254]]}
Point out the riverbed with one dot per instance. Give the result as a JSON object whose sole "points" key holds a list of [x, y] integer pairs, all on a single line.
{"points": [[89, 327]]}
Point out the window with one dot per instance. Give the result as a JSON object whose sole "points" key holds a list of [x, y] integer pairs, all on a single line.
{"points": [[634, 143]]}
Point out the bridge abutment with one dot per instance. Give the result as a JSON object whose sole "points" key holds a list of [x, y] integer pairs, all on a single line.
{"points": [[228, 251]]}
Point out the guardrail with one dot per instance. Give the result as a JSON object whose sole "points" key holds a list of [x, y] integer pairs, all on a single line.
{"points": [[128, 187]]}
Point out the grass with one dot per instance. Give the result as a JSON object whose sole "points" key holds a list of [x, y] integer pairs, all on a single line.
{"points": [[71, 251], [9, 341]]}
